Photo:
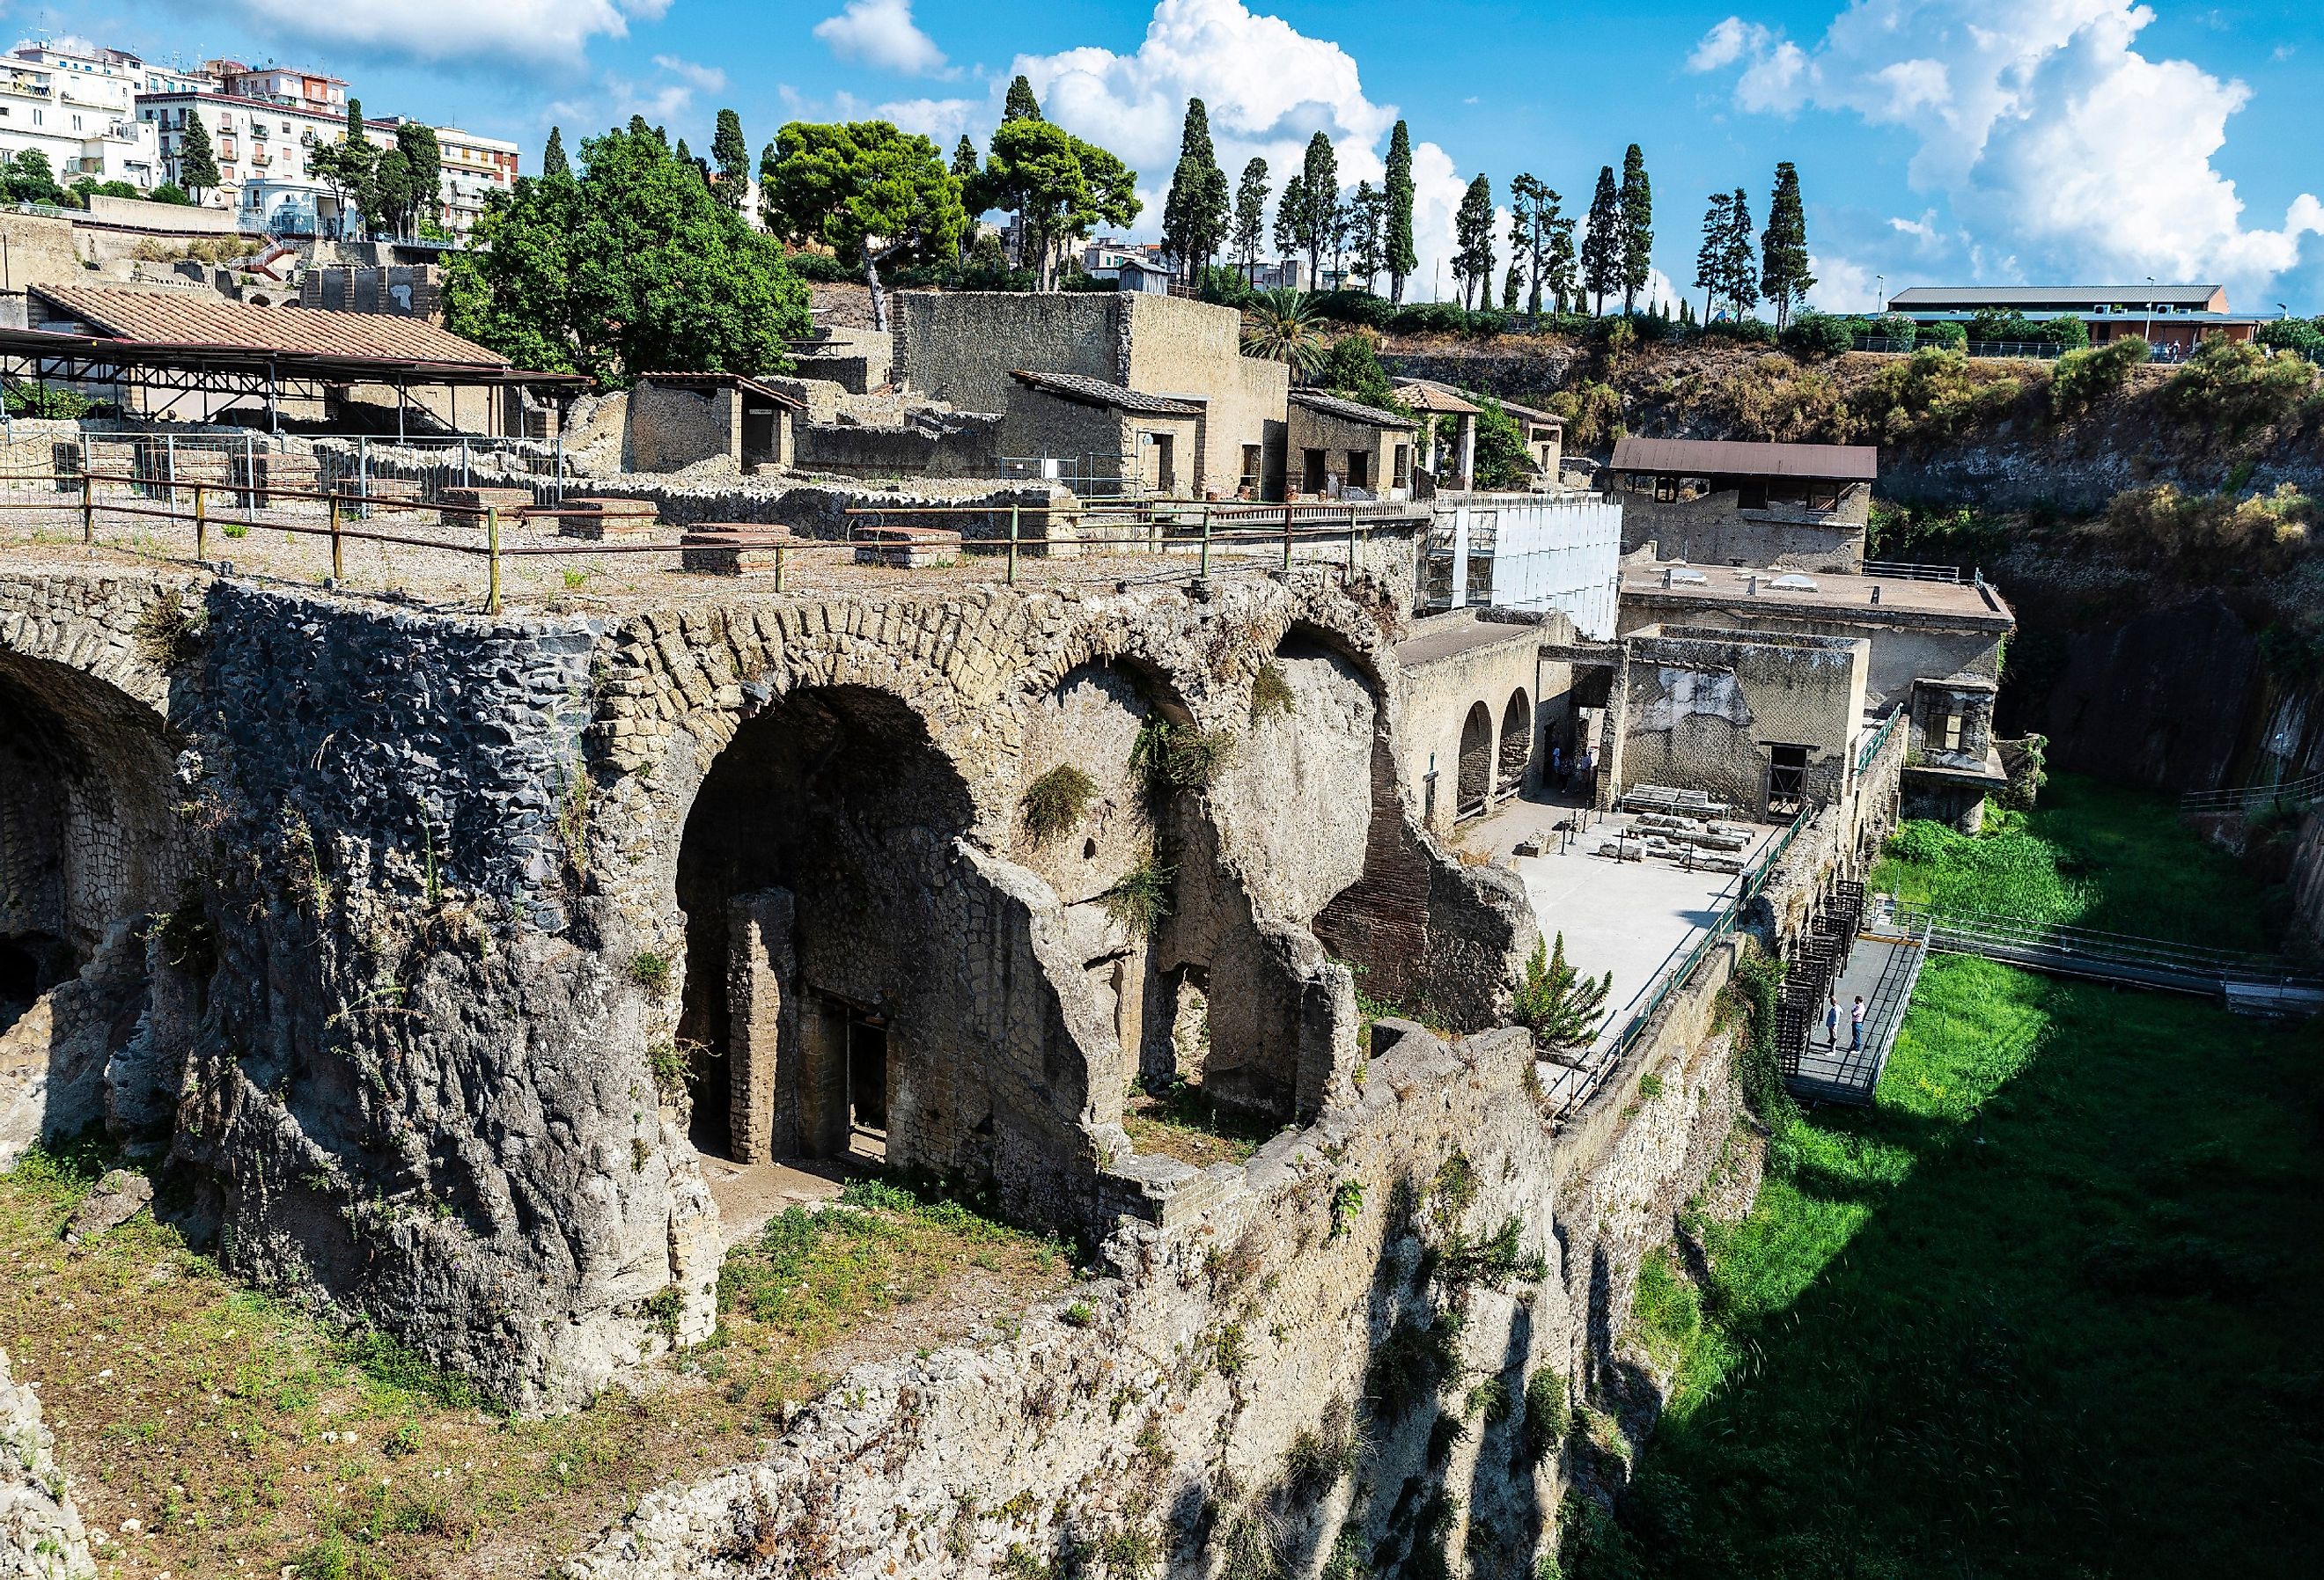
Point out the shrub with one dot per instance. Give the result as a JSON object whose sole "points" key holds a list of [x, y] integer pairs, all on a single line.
{"points": [[169, 630], [1774, 398], [1352, 369], [1933, 397], [1053, 803], [1412, 1363], [1750, 331], [1593, 414], [1430, 317], [1168, 757], [1557, 1003], [2304, 337], [1356, 306], [1503, 459], [1548, 1414], [1140, 898], [1820, 335], [1270, 692], [2213, 533], [42, 401], [822, 268], [2084, 377], [2233, 387]]}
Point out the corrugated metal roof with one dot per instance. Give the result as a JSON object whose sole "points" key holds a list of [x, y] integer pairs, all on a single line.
{"points": [[189, 318], [1719, 458], [1350, 411], [2022, 296], [1074, 386]]}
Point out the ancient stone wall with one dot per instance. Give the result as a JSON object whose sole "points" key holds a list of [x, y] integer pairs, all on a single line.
{"points": [[1714, 530], [1207, 1396], [949, 444], [1905, 644], [42, 1537], [670, 426]]}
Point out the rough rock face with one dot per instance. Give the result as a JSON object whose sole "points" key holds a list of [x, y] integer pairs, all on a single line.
{"points": [[40, 1534], [431, 907]]}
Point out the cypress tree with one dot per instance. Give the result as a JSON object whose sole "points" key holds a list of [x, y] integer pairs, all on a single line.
{"points": [[1473, 234], [553, 161], [1601, 242], [1717, 221], [1320, 206], [1784, 277], [197, 163], [1251, 218], [1196, 214], [732, 154], [1020, 104], [1637, 227], [1403, 257], [1738, 268]]}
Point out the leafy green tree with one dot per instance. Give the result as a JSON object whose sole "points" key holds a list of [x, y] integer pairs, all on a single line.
{"points": [[1557, 1003], [866, 190], [1601, 242], [1739, 270], [1060, 188], [1199, 210], [633, 267], [29, 179], [1512, 286], [553, 161], [1473, 238], [1503, 461], [1717, 221], [1318, 204], [732, 155], [1637, 227], [1533, 222], [197, 170], [1784, 277], [424, 163], [390, 192], [1351, 370], [1368, 232], [1251, 218], [169, 192], [1403, 258], [348, 168]]}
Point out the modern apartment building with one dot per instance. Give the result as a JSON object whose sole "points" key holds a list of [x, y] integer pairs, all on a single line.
{"points": [[78, 108], [474, 168], [260, 121]]}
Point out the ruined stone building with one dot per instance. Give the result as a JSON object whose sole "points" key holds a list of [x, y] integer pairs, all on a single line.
{"points": [[1729, 502]]}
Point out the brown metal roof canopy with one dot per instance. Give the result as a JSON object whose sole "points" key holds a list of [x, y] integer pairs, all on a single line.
{"points": [[1703, 458], [190, 317], [46, 354]]}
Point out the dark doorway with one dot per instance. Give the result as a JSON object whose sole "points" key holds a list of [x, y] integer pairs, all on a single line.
{"points": [[760, 429], [1476, 786], [867, 1086], [1312, 467], [1517, 744], [1787, 780], [22, 980], [1359, 469]]}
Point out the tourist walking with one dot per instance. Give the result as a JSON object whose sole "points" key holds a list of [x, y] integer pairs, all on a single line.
{"points": [[1856, 1025], [1832, 1022], [1557, 767]]}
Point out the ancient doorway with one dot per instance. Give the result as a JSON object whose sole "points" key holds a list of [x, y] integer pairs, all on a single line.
{"points": [[1787, 781], [1516, 742], [814, 872], [1476, 784]]}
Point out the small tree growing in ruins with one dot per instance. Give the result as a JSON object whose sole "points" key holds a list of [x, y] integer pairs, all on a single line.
{"points": [[867, 191], [1557, 1003]]}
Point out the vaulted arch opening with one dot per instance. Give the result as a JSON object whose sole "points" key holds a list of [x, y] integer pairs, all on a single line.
{"points": [[1517, 744], [1476, 781]]}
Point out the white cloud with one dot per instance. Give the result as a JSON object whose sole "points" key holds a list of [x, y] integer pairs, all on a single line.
{"points": [[531, 32], [708, 78], [2059, 147], [1842, 285], [882, 34], [1267, 86]]}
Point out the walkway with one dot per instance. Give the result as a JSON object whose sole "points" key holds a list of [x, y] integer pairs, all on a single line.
{"points": [[1884, 966]]}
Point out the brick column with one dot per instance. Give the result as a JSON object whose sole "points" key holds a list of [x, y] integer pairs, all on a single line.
{"points": [[761, 982]]}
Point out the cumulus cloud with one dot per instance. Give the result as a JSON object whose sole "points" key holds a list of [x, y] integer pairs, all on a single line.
{"points": [[526, 33], [708, 78], [2056, 144], [882, 34], [1267, 86]]}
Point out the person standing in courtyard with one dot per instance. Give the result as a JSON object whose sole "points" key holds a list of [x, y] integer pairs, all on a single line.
{"points": [[1856, 1025], [1830, 1022]]}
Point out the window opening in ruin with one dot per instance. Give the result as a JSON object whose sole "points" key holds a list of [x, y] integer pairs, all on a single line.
{"points": [[1787, 780], [1749, 496], [1952, 732], [1476, 786], [1253, 463], [1402, 467], [759, 429], [1359, 469], [1517, 744], [1313, 465]]}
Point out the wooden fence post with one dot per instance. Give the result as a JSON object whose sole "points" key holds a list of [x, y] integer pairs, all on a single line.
{"points": [[201, 522], [338, 554], [87, 507], [493, 549]]}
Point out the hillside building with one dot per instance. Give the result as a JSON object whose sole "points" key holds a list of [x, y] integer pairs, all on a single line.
{"points": [[2170, 318]]}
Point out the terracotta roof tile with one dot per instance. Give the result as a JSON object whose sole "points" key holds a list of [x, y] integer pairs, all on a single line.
{"points": [[193, 317]]}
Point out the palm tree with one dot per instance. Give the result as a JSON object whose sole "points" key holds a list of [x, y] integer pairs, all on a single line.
{"points": [[1283, 326]]}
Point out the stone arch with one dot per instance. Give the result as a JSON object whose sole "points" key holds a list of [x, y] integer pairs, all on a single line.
{"points": [[1476, 778], [808, 855], [1517, 744]]}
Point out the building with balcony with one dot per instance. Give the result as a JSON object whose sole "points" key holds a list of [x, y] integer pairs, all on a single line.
{"points": [[261, 122], [474, 168], [77, 109]]}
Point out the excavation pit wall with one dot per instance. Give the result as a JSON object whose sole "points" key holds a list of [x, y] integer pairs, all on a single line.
{"points": [[1168, 1400], [400, 1032]]}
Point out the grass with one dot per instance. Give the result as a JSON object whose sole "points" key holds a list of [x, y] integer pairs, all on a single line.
{"points": [[2047, 1309], [247, 1437], [2091, 854], [1177, 1120]]}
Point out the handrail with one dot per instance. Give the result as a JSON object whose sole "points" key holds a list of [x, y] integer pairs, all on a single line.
{"points": [[2295, 793], [1871, 748], [2097, 946], [1911, 570]]}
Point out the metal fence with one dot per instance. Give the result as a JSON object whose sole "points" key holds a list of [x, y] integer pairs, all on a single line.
{"points": [[1879, 738], [1906, 570], [2291, 796], [2163, 963]]}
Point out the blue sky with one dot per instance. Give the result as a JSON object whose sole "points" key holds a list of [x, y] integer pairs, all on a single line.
{"points": [[1937, 140]]}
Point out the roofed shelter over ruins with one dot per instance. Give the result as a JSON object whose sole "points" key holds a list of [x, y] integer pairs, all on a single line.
{"points": [[193, 357], [1729, 502]]}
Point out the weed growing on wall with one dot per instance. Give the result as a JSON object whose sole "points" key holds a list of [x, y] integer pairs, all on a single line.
{"points": [[1140, 898], [169, 632], [1053, 804], [1270, 693]]}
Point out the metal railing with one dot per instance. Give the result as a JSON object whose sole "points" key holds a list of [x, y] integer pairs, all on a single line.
{"points": [[1679, 966], [1879, 738], [2163, 964], [1908, 571], [2293, 795]]}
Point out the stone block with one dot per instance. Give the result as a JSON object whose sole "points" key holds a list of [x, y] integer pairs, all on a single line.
{"points": [[735, 548], [906, 547], [464, 507], [604, 520]]}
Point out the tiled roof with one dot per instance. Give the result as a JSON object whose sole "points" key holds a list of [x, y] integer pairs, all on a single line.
{"points": [[1349, 410], [1074, 386], [719, 381], [1427, 395], [190, 317]]}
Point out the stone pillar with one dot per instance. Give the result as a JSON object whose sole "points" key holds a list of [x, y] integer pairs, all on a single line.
{"points": [[761, 984], [1468, 450]]}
